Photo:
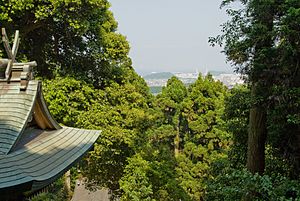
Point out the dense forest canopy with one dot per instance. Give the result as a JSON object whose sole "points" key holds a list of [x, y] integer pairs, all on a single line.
{"points": [[76, 37], [201, 142]]}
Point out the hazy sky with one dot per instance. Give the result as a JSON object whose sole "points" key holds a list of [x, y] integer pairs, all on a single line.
{"points": [[171, 35]]}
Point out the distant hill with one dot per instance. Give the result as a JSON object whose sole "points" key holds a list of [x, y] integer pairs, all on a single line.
{"points": [[216, 73], [162, 75]]}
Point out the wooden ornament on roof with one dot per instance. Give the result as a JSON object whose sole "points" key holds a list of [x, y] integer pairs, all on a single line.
{"points": [[10, 68], [34, 149]]}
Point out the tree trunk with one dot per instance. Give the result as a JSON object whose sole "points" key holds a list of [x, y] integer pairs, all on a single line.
{"points": [[261, 81], [256, 137]]}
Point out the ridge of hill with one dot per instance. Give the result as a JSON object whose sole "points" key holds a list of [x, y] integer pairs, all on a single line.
{"points": [[160, 75]]}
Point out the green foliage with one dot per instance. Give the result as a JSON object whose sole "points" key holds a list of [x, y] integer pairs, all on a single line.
{"points": [[203, 109], [178, 175], [175, 90], [205, 140], [173, 146], [67, 98], [284, 124], [261, 39], [170, 100], [67, 37], [121, 111], [134, 157], [233, 184], [123, 114], [163, 162], [56, 191], [135, 183], [237, 106], [159, 172]]}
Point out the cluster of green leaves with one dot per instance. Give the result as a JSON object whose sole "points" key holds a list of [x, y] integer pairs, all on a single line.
{"points": [[233, 184], [57, 191], [237, 109], [73, 98], [205, 139], [284, 124], [67, 37]]}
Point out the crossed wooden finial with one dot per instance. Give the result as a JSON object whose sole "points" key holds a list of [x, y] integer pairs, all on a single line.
{"points": [[11, 52]]}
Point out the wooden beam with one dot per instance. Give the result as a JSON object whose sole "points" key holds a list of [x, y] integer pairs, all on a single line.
{"points": [[16, 44], [31, 63], [4, 62], [11, 53], [6, 44], [8, 69]]}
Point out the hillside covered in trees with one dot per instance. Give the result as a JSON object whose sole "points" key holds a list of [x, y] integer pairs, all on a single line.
{"points": [[201, 142]]}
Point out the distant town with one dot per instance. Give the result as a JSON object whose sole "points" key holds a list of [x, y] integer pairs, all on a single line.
{"points": [[157, 80]]}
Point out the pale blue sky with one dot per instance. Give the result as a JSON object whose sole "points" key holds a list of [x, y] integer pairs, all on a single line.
{"points": [[171, 35]]}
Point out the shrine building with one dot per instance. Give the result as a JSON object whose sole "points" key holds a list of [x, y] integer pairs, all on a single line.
{"points": [[34, 149]]}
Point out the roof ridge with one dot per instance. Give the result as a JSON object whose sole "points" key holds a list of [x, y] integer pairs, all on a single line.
{"points": [[10, 69]]}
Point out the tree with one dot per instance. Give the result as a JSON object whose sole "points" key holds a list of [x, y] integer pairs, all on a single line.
{"points": [[67, 37], [205, 140], [123, 113], [135, 183], [259, 44], [67, 98], [170, 102], [237, 108], [157, 173]]}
